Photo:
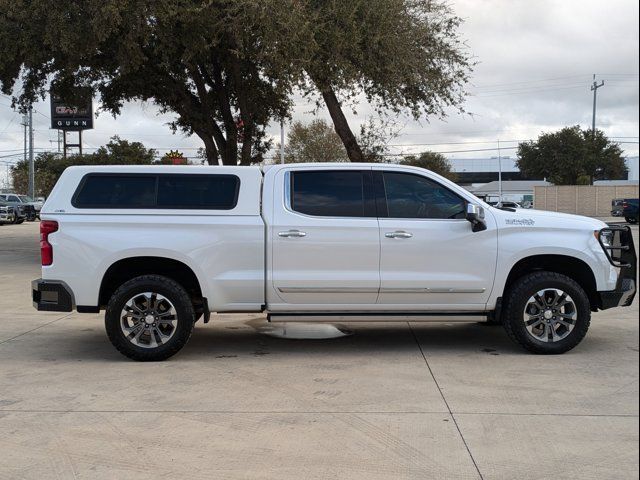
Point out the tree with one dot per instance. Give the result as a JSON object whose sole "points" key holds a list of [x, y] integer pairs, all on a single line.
{"points": [[49, 166], [374, 139], [401, 55], [436, 162], [228, 67], [571, 156], [120, 152], [213, 64], [314, 142]]}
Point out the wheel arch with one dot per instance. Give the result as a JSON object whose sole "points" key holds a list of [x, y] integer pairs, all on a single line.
{"points": [[127, 268], [572, 267]]}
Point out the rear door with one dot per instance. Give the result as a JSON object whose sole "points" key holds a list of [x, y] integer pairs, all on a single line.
{"points": [[325, 239], [430, 258]]}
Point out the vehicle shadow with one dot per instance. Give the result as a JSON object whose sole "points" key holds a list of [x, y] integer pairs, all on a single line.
{"points": [[365, 339], [241, 340]]}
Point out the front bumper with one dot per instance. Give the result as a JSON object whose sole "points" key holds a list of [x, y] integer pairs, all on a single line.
{"points": [[621, 254], [51, 296]]}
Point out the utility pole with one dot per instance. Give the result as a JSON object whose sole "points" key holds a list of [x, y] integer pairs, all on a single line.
{"points": [[282, 141], [499, 173], [25, 124], [594, 88], [31, 168]]}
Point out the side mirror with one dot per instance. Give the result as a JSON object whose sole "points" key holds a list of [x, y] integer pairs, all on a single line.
{"points": [[475, 215]]}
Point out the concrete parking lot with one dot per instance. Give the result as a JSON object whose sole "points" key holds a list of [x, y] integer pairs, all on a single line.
{"points": [[389, 402]]}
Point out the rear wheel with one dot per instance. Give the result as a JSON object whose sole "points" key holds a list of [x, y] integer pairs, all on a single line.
{"points": [[149, 318], [631, 219], [547, 313]]}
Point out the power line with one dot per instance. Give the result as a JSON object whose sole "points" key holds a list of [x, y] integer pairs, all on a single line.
{"points": [[532, 81]]}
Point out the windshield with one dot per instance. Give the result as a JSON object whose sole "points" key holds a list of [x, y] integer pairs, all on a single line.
{"points": [[25, 198]]}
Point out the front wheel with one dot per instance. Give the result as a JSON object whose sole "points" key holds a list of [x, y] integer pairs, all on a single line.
{"points": [[631, 219], [547, 313], [149, 318]]}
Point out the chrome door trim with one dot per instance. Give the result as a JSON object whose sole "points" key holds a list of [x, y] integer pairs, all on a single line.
{"points": [[432, 290], [327, 290], [374, 290]]}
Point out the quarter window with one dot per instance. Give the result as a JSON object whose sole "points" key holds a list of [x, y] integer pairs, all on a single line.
{"points": [[116, 191], [214, 192], [329, 193], [413, 196], [168, 191]]}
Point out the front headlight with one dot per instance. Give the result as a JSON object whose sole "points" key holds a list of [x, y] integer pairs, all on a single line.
{"points": [[605, 237]]}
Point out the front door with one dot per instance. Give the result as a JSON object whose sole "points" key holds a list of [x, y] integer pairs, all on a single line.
{"points": [[325, 239], [430, 258]]}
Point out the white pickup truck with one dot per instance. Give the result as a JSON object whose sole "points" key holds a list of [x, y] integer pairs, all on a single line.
{"points": [[159, 247]]}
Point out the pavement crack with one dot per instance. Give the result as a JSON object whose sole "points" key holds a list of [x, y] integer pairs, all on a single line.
{"points": [[455, 422], [34, 329]]}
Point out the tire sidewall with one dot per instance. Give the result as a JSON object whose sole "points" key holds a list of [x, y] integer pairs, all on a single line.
{"points": [[519, 297], [169, 289]]}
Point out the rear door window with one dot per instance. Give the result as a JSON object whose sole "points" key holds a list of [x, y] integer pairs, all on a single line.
{"points": [[326, 193]]}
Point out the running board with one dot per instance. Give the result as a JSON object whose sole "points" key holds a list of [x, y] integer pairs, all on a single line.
{"points": [[378, 317]]}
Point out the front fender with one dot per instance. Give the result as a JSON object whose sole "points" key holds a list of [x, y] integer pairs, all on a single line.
{"points": [[517, 244]]}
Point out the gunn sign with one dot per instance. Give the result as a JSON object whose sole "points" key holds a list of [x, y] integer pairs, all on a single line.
{"points": [[65, 117]]}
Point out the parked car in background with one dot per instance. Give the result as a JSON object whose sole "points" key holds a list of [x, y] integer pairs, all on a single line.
{"points": [[616, 207], [37, 203], [28, 205], [506, 204], [17, 209], [630, 210], [6, 214], [625, 207]]}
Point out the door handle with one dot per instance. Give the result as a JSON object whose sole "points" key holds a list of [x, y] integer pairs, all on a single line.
{"points": [[398, 234], [292, 234]]}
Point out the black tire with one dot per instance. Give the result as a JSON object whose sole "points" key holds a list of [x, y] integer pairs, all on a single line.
{"points": [[19, 221], [518, 297], [631, 220], [166, 287]]}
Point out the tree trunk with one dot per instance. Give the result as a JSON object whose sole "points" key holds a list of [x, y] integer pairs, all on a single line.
{"points": [[210, 150], [341, 125]]}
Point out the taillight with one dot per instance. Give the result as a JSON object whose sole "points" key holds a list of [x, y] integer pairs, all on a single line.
{"points": [[46, 249], [625, 205]]}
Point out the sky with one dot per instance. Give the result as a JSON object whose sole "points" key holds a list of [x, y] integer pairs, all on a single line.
{"points": [[535, 65]]}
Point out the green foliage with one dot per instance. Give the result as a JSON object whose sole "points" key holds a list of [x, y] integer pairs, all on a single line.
{"points": [[436, 162], [226, 68], [314, 142], [212, 63], [318, 141], [572, 156], [402, 54], [374, 139], [49, 166]]}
